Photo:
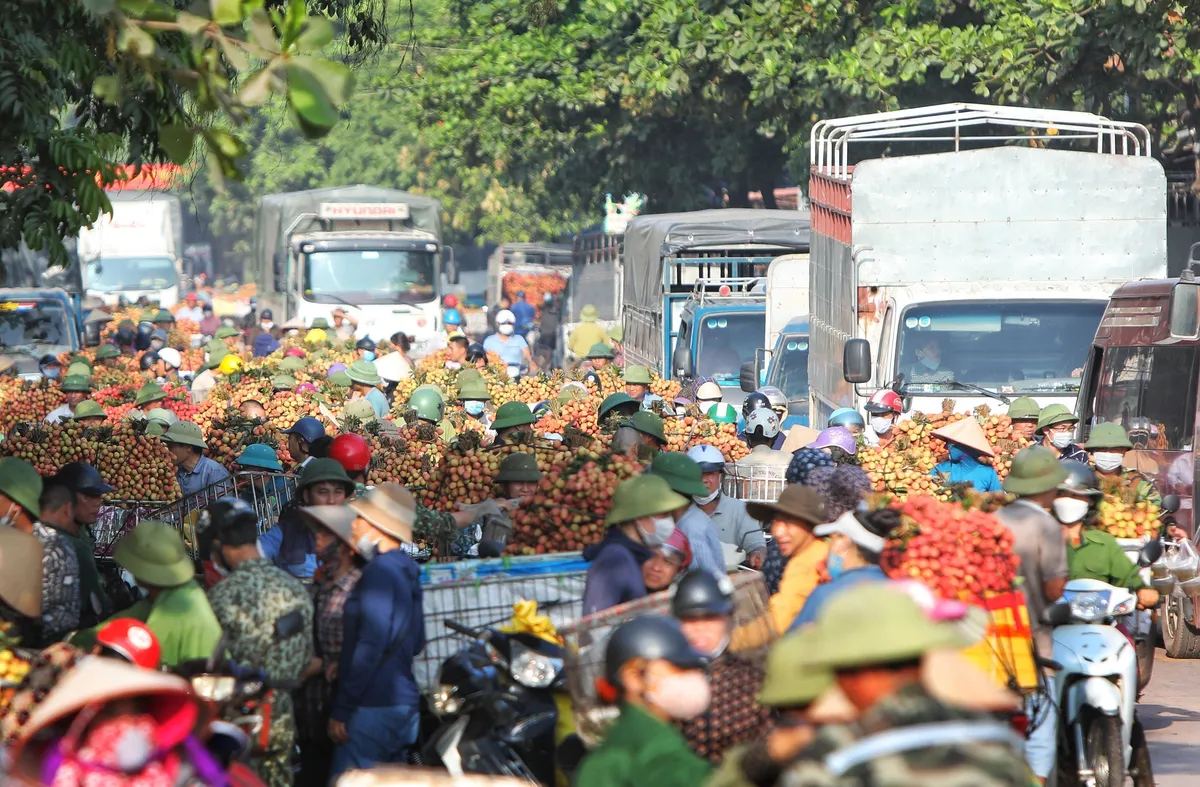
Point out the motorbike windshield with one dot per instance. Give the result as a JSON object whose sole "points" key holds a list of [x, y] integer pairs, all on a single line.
{"points": [[33, 323], [726, 342], [117, 274], [789, 370], [1018, 347], [360, 277]]}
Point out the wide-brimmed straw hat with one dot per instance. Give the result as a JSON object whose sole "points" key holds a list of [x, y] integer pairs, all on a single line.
{"points": [[389, 508]]}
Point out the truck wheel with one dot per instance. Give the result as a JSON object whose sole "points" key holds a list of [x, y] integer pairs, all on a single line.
{"points": [[1180, 639]]}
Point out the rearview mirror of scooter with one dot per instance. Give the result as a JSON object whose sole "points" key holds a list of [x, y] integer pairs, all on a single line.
{"points": [[1056, 614], [1170, 504], [1151, 552]]}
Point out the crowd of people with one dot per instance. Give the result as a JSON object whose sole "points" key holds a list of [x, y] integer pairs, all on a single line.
{"points": [[323, 596]]}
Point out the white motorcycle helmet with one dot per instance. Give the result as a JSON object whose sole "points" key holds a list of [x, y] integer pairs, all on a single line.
{"points": [[763, 422], [709, 392]]}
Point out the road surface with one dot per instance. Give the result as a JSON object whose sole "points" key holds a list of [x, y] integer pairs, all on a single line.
{"points": [[1170, 712]]}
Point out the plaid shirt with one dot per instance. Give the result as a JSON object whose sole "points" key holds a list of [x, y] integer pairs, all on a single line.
{"points": [[331, 601]]}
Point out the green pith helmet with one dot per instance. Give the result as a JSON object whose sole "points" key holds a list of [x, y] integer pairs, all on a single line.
{"points": [[429, 405], [76, 383], [639, 375], [648, 423], [600, 350], [1107, 435], [364, 373], [1024, 409], [260, 455], [77, 369], [89, 409], [571, 391], [1055, 414], [788, 683], [473, 388], [519, 467], [616, 333], [360, 409], [107, 351], [185, 433], [150, 392], [283, 382], [512, 414], [1034, 470], [615, 400], [318, 470], [225, 332], [341, 379], [681, 473], [320, 324], [643, 495], [163, 316], [20, 482], [292, 364], [163, 416], [83, 359]]}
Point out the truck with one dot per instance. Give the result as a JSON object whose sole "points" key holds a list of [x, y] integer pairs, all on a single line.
{"points": [[782, 361], [374, 252], [136, 251], [695, 292], [976, 259]]}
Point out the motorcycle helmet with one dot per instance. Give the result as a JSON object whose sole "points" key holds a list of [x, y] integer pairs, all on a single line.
{"points": [[1080, 480], [709, 457], [885, 401], [836, 437], [130, 640], [702, 594], [148, 360], [308, 429], [452, 317], [230, 364], [775, 396], [335, 368], [594, 379], [722, 413], [82, 478], [365, 344], [428, 403], [708, 391], [476, 353], [351, 452], [846, 417], [763, 423], [226, 515], [753, 402], [650, 637], [450, 301], [171, 356]]}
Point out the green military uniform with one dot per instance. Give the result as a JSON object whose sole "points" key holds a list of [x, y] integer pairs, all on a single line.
{"points": [[181, 619], [641, 750], [1099, 556], [247, 603]]}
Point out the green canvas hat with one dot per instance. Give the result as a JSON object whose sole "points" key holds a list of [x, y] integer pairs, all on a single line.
{"points": [[260, 455], [318, 470], [589, 313], [519, 467], [648, 423], [681, 473], [147, 315], [225, 332], [127, 325], [788, 682], [616, 333], [1034, 470], [163, 316], [150, 392], [615, 400], [643, 495], [76, 383], [600, 350], [154, 553], [364, 373], [89, 409], [77, 369], [283, 382], [878, 623], [21, 482], [473, 386], [155, 429], [1055, 414], [83, 359], [512, 414], [293, 364], [638, 375], [571, 391], [163, 416], [215, 346], [320, 323], [360, 409], [428, 404], [1107, 435], [340, 379], [185, 433], [1024, 409], [106, 351]]}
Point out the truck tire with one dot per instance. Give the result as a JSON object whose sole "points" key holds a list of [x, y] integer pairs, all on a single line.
{"points": [[1180, 639]]}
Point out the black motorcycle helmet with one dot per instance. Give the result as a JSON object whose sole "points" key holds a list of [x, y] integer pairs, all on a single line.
{"points": [[475, 353], [149, 358], [700, 594], [649, 637], [1081, 480], [753, 402], [231, 521], [594, 379], [82, 478], [365, 344], [124, 337]]}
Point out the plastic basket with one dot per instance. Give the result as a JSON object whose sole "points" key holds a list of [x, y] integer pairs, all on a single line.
{"points": [[1006, 650], [754, 483], [480, 593]]}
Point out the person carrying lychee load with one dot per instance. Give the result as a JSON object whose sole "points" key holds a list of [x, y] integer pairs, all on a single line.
{"points": [[87, 488], [511, 417], [193, 469], [1056, 429], [148, 397], [364, 384], [967, 443], [638, 522], [1024, 414], [75, 389], [1108, 443], [427, 402]]}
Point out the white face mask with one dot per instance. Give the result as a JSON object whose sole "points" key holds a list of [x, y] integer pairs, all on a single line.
{"points": [[881, 424], [683, 696], [664, 526], [704, 500], [1107, 461], [1069, 510], [505, 329], [10, 518], [1060, 440], [930, 363]]}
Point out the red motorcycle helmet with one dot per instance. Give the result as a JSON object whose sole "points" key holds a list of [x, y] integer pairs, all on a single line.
{"points": [[884, 401], [450, 301], [351, 452], [132, 640]]}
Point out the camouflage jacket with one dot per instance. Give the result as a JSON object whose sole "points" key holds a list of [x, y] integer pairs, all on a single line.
{"points": [[974, 749]]}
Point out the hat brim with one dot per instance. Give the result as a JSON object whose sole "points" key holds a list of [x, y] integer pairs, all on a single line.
{"points": [[848, 525], [156, 574], [384, 521], [21, 584], [1035, 486], [766, 512], [505, 424], [167, 438], [338, 520], [685, 487]]}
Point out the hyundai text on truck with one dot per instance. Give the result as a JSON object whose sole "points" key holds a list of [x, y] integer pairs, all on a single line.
{"points": [[374, 252], [694, 289], [137, 250], [978, 268]]}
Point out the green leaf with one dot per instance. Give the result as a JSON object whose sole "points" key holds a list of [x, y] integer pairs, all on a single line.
{"points": [[139, 8], [190, 23], [107, 88], [262, 32], [334, 78], [225, 143], [318, 33], [234, 54], [292, 22], [257, 89], [99, 7], [309, 97], [135, 40], [178, 141], [226, 12]]}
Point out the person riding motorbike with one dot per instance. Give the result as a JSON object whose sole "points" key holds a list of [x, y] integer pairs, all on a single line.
{"points": [[883, 408], [849, 419]]}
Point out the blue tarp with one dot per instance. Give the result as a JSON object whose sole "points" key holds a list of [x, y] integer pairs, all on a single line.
{"points": [[496, 568]]}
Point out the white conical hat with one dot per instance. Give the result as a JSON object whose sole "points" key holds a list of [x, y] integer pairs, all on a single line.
{"points": [[967, 433]]}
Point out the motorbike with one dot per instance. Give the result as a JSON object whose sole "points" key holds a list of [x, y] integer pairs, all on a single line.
{"points": [[1139, 627], [1096, 683], [496, 707]]}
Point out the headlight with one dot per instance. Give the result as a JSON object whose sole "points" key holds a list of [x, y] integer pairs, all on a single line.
{"points": [[444, 702], [532, 669], [1089, 607], [214, 688]]}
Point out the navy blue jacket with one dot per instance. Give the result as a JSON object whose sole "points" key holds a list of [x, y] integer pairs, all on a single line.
{"points": [[615, 573], [383, 629]]}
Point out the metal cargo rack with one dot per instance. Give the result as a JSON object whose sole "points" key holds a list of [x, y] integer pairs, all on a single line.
{"points": [[481, 593], [116, 519], [754, 483]]}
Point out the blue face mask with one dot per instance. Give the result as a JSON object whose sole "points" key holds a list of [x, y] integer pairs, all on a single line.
{"points": [[834, 565], [957, 454], [51, 373], [368, 355], [473, 408]]}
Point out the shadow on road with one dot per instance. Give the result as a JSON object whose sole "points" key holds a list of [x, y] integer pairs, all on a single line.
{"points": [[1159, 717]]}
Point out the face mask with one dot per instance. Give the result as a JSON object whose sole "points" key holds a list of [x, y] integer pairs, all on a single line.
{"points": [[880, 424], [834, 565], [10, 518], [505, 329], [683, 696], [473, 408], [367, 547], [266, 326], [1107, 461], [957, 454], [453, 365], [1060, 440], [704, 500], [1068, 510], [663, 528], [51, 374], [930, 364], [368, 355]]}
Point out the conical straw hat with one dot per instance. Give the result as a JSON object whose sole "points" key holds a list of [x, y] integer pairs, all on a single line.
{"points": [[967, 433]]}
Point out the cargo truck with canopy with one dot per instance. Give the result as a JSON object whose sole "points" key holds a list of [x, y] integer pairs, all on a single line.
{"points": [[975, 260], [374, 252], [137, 250], [695, 289]]}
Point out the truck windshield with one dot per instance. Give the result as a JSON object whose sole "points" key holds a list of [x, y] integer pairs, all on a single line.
{"points": [[726, 341], [357, 277], [116, 274], [1012, 347], [1151, 391], [789, 369], [33, 322]]}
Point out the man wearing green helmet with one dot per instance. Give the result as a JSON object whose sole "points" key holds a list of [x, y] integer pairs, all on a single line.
{"points": [[1024, 414], [1056, 426], [75, 389], [1108, 443]]}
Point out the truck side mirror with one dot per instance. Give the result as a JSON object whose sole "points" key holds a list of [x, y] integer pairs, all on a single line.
{"points": [[683, 362], [856, 361], [91, 334], [748, 376]]}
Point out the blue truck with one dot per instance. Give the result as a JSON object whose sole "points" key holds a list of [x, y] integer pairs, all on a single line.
{"points": [[694, 291]]}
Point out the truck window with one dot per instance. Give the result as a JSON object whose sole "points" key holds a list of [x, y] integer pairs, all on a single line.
{"points": [[726, 341], [116, 274], [43, 322], [1021, 347], [1154, 383], [789, 370], [361, 277]]}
